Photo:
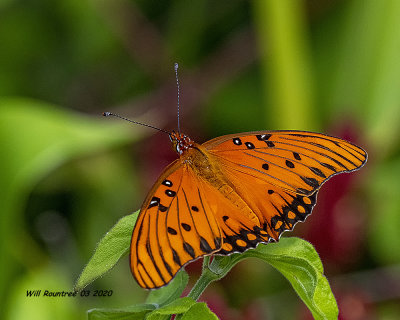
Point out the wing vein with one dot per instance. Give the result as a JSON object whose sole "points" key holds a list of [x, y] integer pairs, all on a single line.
{"points": [[325, 148], [148, 275], [246, 173], [241, 165], [205, 212], [311, 150], [190, 212], [150, 252], [158, 242]]}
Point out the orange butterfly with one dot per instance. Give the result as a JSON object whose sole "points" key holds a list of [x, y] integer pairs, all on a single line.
{"points": [[230, 194]]}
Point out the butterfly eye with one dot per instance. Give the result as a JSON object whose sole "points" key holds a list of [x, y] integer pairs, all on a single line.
{"points": [[175, 145]]}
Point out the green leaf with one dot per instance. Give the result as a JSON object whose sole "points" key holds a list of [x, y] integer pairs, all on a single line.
{"points": [[170, 292], [310, 284], [199, 311], [296, 259], [187, 308], [35, 139], [110, 249], [178, 306], [136, 312]]}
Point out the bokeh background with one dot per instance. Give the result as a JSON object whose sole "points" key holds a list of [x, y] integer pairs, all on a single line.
{"points": [[68, 174]]}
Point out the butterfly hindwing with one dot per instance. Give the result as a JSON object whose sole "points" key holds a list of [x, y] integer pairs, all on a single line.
{"points": [[175, 226], [277, 210], [240, 227], [296, 161]]}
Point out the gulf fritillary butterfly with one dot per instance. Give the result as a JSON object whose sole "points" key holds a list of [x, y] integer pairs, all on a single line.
{"points": [[231, 193]]}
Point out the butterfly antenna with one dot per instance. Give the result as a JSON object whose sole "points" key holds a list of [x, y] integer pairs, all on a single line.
{"points": [[108, 114], [177, 86]]}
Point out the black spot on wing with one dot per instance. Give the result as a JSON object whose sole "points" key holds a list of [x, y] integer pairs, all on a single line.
{"points": [[289, 164], [186, 227], [296, 156], [153, 202], [172, 231], [189, 249], [167, 183], [170, 193], [263, 137], [310, 181], [318, 172], [249, 145], [176, 258], [204, 246], [168, 267], [237, 141], [327, 165]]}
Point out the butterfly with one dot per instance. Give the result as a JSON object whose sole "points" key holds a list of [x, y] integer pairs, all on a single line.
{"points": [[229, 194]]}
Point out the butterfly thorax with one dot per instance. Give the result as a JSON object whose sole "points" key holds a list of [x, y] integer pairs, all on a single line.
{"points": [[207, 168], [195, 156], [180, 142]]}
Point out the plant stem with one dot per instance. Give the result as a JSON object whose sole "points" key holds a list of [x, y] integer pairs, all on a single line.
{"points": [[206, 277]]}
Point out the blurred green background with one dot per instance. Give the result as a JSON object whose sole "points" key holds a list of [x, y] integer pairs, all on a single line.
{"points": [[67, 174]]}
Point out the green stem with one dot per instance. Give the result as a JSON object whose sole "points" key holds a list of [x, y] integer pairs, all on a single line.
{"points": [[206, 261], [206, 277], [202, 283]]}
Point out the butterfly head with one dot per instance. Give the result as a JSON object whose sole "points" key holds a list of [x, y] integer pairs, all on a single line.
{"points": [[180, 142]]}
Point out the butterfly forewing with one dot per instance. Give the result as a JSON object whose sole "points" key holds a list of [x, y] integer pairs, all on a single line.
{"points": [[175, 225], [295, 161]]}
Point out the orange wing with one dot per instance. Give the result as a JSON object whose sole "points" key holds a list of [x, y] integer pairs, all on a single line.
{"points": [[278, 174], [296, 161], [176, 225]]}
